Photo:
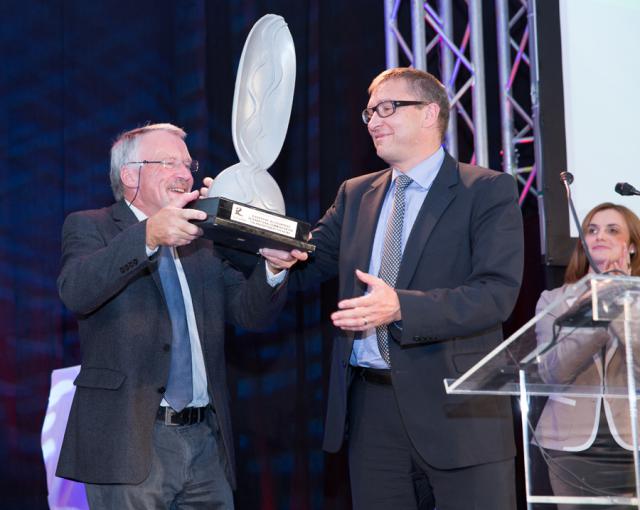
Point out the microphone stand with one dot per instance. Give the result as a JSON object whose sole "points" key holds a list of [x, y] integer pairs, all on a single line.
{"points": [[579, 314], [567, 179]]}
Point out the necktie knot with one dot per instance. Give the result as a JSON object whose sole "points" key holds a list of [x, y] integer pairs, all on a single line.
{"points": [[402, 181]]}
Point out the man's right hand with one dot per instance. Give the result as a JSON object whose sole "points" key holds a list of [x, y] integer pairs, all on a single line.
{"points": [[170, 225]]}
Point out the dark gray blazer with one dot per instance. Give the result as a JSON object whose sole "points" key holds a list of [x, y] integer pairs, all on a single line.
{"points": [[459, 279], [113, 288]]}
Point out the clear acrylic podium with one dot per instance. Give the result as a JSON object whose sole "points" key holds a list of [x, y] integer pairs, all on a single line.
{"points": [[574, 367]]}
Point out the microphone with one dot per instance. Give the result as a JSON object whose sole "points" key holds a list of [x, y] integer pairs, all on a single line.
{"points": [[567, 178], [625, 189]]}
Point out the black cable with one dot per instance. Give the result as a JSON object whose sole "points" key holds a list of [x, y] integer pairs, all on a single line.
{"points": [[129, 204]]}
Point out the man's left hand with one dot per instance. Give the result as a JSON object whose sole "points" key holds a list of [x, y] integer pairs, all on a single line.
{"points": [[380, 306], [207, 182], [277, 260]]}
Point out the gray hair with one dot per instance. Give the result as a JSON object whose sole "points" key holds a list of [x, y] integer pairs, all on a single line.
{"points": [[125, 149]]}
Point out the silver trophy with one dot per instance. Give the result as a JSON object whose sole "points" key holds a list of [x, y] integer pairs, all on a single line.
{"points": [[245, 208]]}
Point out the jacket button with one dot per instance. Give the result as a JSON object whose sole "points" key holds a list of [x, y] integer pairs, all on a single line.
{"points": [[344, 364], [162, 389], [166, 347]]}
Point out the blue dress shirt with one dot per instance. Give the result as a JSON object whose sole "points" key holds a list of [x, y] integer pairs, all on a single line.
{"points": [[365, 347]]}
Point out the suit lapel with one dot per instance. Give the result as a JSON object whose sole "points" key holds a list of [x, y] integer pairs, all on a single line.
{"points": [[368, 213], [366, 222], [442, 192], [122, 216]]}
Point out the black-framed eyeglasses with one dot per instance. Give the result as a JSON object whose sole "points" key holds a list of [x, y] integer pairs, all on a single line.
{"points": [[386, 109], [170, 164]]}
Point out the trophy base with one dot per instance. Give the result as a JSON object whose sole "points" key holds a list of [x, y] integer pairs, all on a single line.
{"points": [[248, 228]]}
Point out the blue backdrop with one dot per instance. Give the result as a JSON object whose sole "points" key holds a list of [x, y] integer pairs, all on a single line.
{"points": [[73, 75]]}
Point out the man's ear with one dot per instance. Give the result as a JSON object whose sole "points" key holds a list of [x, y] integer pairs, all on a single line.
{"points": [[129, 176], [431, 113]]}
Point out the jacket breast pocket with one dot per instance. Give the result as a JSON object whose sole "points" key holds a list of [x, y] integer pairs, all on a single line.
{"points": [[103, 378]]}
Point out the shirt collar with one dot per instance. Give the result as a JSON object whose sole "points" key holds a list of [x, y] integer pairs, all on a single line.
{"points": [[139, 214], [425, 172]]}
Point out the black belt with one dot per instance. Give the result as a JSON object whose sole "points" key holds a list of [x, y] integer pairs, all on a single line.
{"points": [[374, 375], [188, 416]]}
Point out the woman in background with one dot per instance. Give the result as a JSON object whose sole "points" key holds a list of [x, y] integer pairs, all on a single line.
{"points": [[588, 440]]}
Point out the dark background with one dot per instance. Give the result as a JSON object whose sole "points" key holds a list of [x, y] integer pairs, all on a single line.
{"points": [[74, 74]]}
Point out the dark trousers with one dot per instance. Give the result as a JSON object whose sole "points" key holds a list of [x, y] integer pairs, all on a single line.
{"points": [[186, 473], [596, 472], [388, 473]]}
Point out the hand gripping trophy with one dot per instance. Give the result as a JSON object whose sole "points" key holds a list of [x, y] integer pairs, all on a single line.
{"points": [[245, 208]]}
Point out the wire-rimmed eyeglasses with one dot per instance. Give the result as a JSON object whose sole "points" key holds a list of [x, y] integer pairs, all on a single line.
{"points": [[386, 109], [170, 164]]}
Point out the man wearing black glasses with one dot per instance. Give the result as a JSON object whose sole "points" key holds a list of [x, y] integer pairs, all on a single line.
{"points": [[149, 426], [429, 253]]}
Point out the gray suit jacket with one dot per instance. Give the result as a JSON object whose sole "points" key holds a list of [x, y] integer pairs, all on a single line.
{"points": [[571, 423], [458, 281], [114, 289]]}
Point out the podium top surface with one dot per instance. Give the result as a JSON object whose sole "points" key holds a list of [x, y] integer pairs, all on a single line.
{"points": [[593, 323]]}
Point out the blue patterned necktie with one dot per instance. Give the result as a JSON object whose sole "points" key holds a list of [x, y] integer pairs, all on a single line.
{"points": [[179, 391], [392, 254]]}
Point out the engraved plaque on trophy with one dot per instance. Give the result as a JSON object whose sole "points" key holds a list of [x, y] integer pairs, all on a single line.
{"points": [[245, 208]]}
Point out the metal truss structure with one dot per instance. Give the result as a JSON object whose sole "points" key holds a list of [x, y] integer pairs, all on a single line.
{"points": [[461, 64], [515, 37], [461, 69]]}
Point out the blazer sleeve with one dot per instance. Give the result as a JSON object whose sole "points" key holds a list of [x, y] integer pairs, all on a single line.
{"points": [[326, 236], [252, 303], [487, 295], [575, 348], [95, 267]]}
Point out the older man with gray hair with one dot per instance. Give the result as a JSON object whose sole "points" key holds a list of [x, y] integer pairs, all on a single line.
{"points": [[149, 426]]}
